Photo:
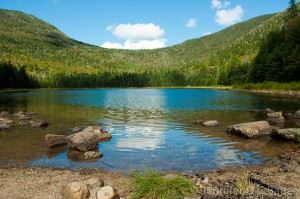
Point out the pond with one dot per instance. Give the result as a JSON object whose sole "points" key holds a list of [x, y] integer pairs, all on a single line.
{"points": [[150, 127]]}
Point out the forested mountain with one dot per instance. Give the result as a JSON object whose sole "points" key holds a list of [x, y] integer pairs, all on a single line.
{"points": [[33, 47]]}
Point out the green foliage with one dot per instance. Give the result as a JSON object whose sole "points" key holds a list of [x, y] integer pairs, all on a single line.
{"points": [[13, 77], [150, 185], [292, 86], [293, 10], [54, 60], [244, 185]]}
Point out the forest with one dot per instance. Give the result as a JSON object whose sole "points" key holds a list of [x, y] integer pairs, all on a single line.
{"points": [[34, 54]]}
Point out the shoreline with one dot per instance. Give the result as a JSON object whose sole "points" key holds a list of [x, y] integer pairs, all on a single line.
{"points": [[281, 173]]}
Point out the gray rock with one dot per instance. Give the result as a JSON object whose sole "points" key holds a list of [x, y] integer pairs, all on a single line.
{"points": [[75, 190], [24, 118], [290, 134], [77, 129], [22, 123], [288, 115], [297, 115], [38, 124], [5, 114], [211, 123], [97, 130], [276, 120], [19, 114], [106, 192], [198, 122], [92, 155], [274, 115], [83, 141], [54, 140], [3, 126], [29, 113], [6, 120], [95, 182], [251, 129]]}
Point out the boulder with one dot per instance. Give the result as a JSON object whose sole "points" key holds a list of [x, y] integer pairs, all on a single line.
{"points": [[251, 129], [211, 123], [92, 155], [274, 114], [19, 114], [6, 120], [267, 110], [297, 115], [83, 141], [3, 126], [5, 114], [97, 130], [290, 134], [288, 115], [106, 192], [54, 140], [276, 120], [38, 124], [198, 122], [95, 182], [75, 190]]}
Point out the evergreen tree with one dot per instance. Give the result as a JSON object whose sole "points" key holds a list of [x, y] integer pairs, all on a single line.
{"points": [[293, 10]]}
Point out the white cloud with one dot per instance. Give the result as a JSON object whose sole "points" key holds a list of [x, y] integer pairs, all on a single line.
{"points": [[218, 4], [207, 33], [191, 23], [137, 36], [137, 32], [230, 16]]}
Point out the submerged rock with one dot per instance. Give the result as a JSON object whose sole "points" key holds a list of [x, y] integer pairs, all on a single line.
{"points": [[5, 114], [92, 155], [211, 123], [38, 124], [198, 122], [290, 134], [297, 115], [251, 129], [54, 140]]}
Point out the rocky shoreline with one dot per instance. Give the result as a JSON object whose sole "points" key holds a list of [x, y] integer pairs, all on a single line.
{"points": [[276, 178]]}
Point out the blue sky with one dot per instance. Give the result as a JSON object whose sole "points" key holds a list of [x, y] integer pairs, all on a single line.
{"points": [[136, 24]]}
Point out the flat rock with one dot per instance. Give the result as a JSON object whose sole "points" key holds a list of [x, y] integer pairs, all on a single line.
{"points": [[75, 190], [83, 141], [211, 123], [38, 124], [297, 115], [19, 114], [97, 130], [290, 134], [24, 118], [54, 140], [250, 129], [106, 192], [92, 155], [29, 113], [5, 114]]}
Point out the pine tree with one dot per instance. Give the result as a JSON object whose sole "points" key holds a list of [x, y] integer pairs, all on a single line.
{"points": [[293, 10]]}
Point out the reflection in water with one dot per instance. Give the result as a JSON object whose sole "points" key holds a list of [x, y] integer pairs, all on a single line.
{"points": [[149, 126]]}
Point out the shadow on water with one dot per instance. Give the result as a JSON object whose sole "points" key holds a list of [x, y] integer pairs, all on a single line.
{"points": [[149, 126]]}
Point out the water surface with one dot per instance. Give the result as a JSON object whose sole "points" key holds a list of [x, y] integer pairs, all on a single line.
{"points": [[149, 127]]}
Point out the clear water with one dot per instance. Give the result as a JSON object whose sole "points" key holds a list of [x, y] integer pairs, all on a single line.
{"points": [[149, 127]]}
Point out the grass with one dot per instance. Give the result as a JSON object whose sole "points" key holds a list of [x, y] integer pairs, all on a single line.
{"points": [[151, 185], [292, 86], [243, 184]]}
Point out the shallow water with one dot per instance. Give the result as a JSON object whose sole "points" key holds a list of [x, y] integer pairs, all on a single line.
{"points": [[149, 127]]}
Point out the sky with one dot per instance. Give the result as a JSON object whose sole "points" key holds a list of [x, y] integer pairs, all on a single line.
{"points": [[142, 24]]}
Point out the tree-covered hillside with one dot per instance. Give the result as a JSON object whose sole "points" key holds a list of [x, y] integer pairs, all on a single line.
{"points": [[51, 59]]}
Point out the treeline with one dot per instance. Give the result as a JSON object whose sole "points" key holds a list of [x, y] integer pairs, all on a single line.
{"points": [[15, 77]]}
